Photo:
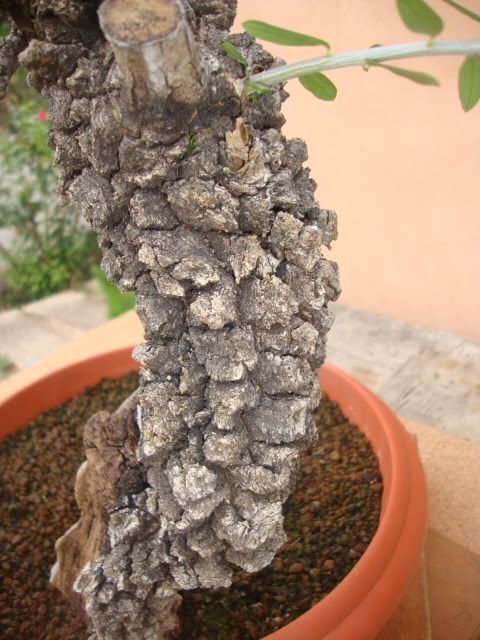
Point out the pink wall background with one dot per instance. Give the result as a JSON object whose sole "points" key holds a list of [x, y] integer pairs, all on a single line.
{"points": [[399, 162]]}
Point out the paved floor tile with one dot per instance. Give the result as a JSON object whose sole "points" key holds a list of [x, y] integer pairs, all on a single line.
{"points": [[73, 308], [25, 339], [423, 374]]}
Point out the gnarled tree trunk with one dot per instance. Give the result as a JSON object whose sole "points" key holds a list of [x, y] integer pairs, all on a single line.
{"points": [[202, 208]]}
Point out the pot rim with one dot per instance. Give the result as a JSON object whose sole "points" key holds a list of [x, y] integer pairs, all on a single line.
{"points": [[364, 600]]}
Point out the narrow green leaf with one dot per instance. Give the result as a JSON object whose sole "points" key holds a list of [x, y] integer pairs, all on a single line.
{"points": [[232, 51], [419, 17], [416, 76], [321, 86], [271, 33], [469, 82], [464, 10]]}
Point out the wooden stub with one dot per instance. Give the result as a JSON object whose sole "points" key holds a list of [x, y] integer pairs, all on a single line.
{"points": [[140, 21], [155, 50]]}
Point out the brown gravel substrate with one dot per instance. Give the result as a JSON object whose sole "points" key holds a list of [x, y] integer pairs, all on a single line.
{"points": [[329, 520]]}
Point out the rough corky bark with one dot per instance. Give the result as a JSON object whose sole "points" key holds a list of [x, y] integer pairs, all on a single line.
{"points": [[202, 208], [10, 48]]}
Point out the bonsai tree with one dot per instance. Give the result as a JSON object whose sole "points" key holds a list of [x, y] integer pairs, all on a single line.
{"points": [[168, 133]]}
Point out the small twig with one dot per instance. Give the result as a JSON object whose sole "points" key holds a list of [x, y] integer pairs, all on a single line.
{"points": [[360, 57], [295, 542]]}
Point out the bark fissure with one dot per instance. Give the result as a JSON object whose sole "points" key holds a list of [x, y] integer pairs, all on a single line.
{"points": [[222, 245]]}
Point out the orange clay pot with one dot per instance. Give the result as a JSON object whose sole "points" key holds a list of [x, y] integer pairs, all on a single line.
{"points": [[362, 603]]}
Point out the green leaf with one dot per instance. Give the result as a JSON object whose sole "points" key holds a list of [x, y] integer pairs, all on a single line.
{"points": [[321, 86], [233, 52], [419, 17], [271, 33], [416, 76], [469, 82], [464, 10]]}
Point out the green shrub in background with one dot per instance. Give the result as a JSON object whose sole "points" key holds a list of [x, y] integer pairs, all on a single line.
{"points": [[52, 249], [117, 301]]}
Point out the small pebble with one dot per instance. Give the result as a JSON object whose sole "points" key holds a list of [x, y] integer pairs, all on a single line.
{"points": [[296, 567], [277, 565]]}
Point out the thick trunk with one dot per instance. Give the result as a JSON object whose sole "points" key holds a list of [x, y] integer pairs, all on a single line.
{"points": [[202, 208]]}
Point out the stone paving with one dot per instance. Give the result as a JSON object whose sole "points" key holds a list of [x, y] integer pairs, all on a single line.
{"points": [[423, 374], [33, 331]]}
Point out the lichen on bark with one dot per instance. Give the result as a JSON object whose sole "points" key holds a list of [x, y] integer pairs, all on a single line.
{"points": [[221, 240]]}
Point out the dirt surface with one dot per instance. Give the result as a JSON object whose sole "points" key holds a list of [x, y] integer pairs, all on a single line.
{"points": [[329, 520]]}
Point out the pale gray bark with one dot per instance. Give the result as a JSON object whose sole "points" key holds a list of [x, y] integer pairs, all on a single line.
{"points": [[221, 242]]}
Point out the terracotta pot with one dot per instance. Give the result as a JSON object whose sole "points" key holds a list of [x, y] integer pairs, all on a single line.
{"points": [[361, 604]]}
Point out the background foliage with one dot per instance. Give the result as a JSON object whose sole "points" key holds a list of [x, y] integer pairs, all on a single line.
{"points": [[51, 249], [117, 301]]}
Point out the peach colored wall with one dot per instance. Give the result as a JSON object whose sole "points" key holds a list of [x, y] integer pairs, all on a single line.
{"points": [[398, 161]]}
